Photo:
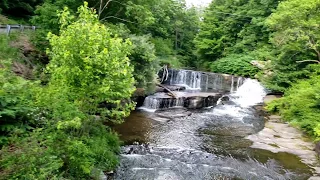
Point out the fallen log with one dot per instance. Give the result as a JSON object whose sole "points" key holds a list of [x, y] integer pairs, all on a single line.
{"points": [[170, 92]]}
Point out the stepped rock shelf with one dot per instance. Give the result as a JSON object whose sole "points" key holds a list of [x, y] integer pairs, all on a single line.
{"points": [[191, 89]]}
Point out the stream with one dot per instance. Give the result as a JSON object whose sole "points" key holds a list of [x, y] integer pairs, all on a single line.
{"points": [[201, 133]]}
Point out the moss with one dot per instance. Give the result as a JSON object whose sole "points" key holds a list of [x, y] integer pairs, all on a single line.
{"points": [[274, 145]]}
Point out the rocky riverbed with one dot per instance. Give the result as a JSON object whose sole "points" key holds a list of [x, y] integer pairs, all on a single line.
{"points": [[212, 143], [278, 136]]}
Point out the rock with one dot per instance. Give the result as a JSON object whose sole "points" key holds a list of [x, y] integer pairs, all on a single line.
{"points": [[280, 137], [98, 174], [225, 98], [261, 64], [197, 102], [270, 98], [317, 148]]}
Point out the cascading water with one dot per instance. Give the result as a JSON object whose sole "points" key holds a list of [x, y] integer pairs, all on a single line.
{"points": [[189, 79], [209, 144], [249, 93], [199, 85], [161, 101]]}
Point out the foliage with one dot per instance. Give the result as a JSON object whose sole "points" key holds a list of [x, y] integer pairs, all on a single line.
{"points": [[236, 64], [296, 38], [144, 61], [92, 65], [300, 105], [6, 20], [19, 8], [15, 99], [68, 139], [233, 27], [169, 20], [6, 52]]}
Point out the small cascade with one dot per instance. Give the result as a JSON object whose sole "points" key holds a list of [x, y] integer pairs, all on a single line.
{"points": [[190, 79], [201, 89], [250, 93], [232, 85], [161, 101], [207, 81], [240, 82]]}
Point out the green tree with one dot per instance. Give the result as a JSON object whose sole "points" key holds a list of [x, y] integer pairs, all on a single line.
{"points": [[300, 105], [296, 38], [235, 27], [93, 65], [19, 8], [89, 69]]}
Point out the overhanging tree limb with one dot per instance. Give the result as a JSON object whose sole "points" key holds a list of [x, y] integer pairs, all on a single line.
{"points": [[308, 61]]}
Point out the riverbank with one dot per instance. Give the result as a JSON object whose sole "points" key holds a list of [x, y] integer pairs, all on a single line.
{"points": [[278, 136]]}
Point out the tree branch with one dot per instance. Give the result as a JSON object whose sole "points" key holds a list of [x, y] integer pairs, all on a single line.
{"points": [[101, 9], [313, 45], [118, 19], [309, 61]]}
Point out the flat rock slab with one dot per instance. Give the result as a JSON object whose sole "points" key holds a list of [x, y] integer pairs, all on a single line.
{"points": [[185, 94], [281, 137]]}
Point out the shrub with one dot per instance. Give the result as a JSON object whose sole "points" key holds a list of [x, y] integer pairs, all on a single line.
{"points": [[15, 102], [236, 64], [88, 67], [301, 105]]}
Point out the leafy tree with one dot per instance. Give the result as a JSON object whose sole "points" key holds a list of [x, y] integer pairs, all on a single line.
{"points": [[91, 64], [296, 38], [233, 27], [88, 67], [144, 61], [300, 105], [19, 8]]}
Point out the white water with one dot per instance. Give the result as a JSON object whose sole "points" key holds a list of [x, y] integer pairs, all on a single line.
{"points": [[189, 79], [250, 93], [195, 82]]}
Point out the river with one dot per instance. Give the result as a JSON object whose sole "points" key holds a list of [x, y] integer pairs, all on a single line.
{"points": [[176, 142]]}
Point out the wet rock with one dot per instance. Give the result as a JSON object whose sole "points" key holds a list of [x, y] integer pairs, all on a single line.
{"points": [[281, 137], [198, 102], [173, 113], [98, 174], [317, 147], [225, 98]]}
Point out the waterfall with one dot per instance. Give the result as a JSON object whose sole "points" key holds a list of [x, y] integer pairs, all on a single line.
{"points": [[201, 89], [207, 81], [232, 85], [239, 82], [250, 93], [161, 101], [189, 79]]}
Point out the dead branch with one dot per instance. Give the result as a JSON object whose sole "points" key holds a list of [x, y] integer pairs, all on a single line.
{"points": [[309, 61], [170, 92]]}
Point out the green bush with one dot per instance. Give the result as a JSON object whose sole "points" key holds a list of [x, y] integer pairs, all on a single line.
{"points": [[235, 64], [15, 103], [144, 61], [69, 139], [301, 106]]}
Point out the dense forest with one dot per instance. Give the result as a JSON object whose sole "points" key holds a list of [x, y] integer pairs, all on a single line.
{"points": [[64, 83]]}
